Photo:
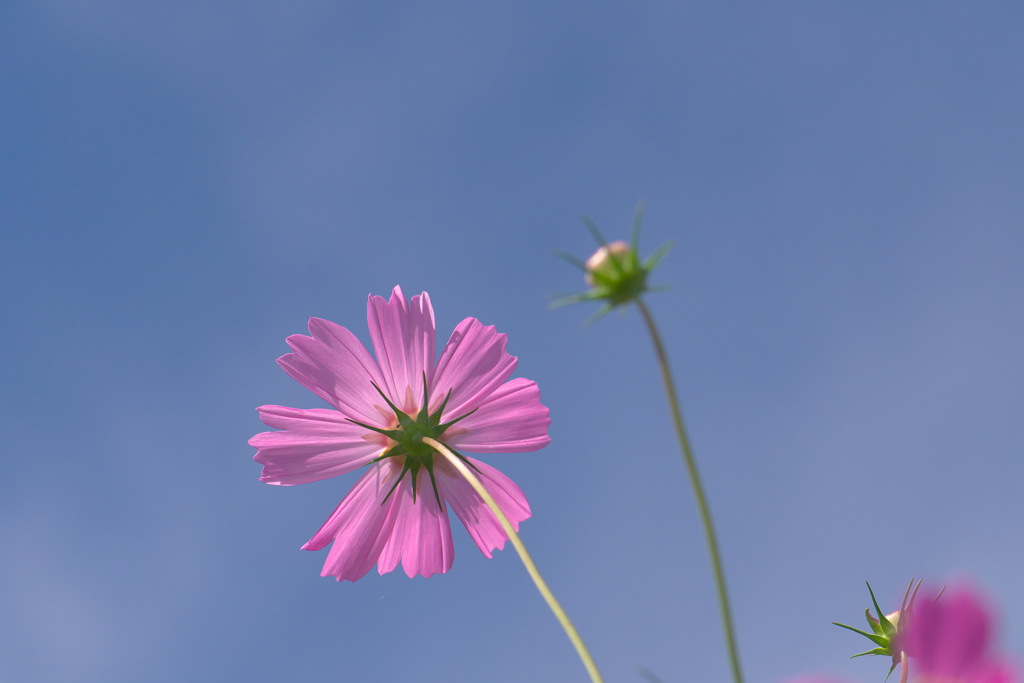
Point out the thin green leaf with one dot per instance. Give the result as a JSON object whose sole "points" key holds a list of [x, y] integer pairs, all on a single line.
{"points": [[876, 651]]}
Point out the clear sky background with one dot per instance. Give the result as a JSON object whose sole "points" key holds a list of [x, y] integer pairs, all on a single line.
{"points": [[184, 184]]}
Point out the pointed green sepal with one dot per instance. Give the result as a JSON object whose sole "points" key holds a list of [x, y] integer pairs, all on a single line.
{"points": [[390, 453], [405, 468], [573, 299], [435, 419], [875, 626], [592, 227], [442, 428], [433, 482], [404, 421], [881, 641], [395, 434], [887, 628], [464, 459], [634, 234], [598, 314], [652, 261], [571, 259]]}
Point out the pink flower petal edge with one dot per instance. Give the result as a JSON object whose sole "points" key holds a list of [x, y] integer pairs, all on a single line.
{"points": [[949, 641], [382, 520], [950, 638]]}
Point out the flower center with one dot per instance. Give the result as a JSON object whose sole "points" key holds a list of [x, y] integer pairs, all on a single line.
{"points": [[409, 435]]}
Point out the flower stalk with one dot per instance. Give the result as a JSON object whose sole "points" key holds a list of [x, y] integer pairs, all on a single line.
{"points": [[542, 586], [698, 492], [617, 276]]}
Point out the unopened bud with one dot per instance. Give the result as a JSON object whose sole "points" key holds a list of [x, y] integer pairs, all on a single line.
{"points": [[601, 261]]}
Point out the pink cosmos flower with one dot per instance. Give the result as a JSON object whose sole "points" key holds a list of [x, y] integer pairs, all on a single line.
{"points": [[398, 510], [949, 640]]}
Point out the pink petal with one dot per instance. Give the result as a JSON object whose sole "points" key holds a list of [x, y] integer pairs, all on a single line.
{"points": [[480, 522], [422, 537], [403, 340], [335, 366], [314, 445], [949, 636], [996, 671], [473, 365], [360, 526], [511, 420]]}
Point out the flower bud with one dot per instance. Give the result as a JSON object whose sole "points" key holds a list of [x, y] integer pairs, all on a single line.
{"points": [[614, 273], [600, 262]]}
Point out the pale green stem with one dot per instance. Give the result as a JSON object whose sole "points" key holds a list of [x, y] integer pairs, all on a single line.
{"points": [[698, 493], [549, 597]]}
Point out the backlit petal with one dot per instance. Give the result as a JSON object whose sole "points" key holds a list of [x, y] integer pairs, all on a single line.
{"points": [[510, 420], [335, 366], [473, 365], [403, 340], [422, 537], [480, 522], [949, 636], [360, 526], [313, 445]]}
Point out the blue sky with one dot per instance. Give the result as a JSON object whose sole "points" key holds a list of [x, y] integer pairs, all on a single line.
{"points": [[183, 185]]}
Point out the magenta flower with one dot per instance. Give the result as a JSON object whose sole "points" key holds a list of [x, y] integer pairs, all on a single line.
{"points": [[397, 511], [949, 639]]}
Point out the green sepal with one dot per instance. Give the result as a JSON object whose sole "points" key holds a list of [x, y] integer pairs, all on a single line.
{"points": [[390, 453], [654, 259], [876, 651], [571, 259], [875, 626], [423, 415], [394, 434], [441, 428], [891, 669], [433, 482], [435, 419], [881, 641], [592, 227], [464, 459], [407, 466], [574, 299], [598, 314], [634, 236], [404, 421], [887, 628]]}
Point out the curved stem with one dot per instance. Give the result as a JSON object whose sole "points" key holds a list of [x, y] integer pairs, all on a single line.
{"points": [[549, 597], [698, 493]]}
